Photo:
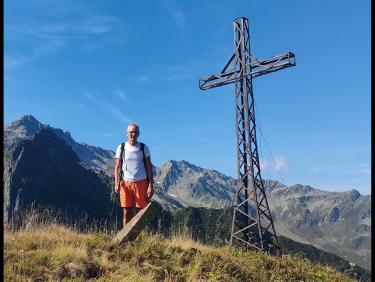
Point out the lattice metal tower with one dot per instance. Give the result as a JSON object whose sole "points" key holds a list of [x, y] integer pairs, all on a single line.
{"points": [[252, 225]]}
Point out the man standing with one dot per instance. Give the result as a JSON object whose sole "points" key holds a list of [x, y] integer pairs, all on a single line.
{"points": [[136, 183]]}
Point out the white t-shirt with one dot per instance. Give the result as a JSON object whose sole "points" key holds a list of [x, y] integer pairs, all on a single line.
{"points": [[133, 165]]}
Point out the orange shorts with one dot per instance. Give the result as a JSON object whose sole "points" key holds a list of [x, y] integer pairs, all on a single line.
{"points": [[134, 194]]}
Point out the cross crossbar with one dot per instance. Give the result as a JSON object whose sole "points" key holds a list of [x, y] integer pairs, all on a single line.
{"points": [[256, 67]]}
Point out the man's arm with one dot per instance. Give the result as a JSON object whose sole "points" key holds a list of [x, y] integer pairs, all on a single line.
{"points": [[150, 177], [117, 174]]}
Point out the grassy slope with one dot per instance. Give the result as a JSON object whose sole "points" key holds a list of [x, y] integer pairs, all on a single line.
{"points": [[213, 226], [54, 252]]}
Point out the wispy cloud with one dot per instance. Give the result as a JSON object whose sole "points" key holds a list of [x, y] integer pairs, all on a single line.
{"points": [[359, 169], [326, 168], [354, 169], [263, 164], [12, 61], [179, 17], [175, 12], [280, 163], [277, 164], [168, 72], [34, 37], [355, 148], [318, 136], [55, 7], [195, 128], [156, 148], [143, 78], [121, 95], [108, 108], [206, 140]]}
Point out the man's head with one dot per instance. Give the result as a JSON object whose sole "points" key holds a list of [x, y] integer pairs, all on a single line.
{"points": [[132, 133]]}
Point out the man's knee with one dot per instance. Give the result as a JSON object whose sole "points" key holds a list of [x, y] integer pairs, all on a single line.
{"points": [[127, 210]]}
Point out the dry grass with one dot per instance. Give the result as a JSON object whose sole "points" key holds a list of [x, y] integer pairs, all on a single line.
{"points": [[57, 253], [41, 249]]}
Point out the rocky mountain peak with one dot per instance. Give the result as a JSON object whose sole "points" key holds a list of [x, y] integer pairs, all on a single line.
{"points": [[170, 164], [274, 185], [20, 129], [168, 173], [172, 169], [186, 164], [26, 125], [26, 120], [354, 194]]}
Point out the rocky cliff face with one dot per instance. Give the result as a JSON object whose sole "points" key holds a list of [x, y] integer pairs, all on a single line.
{"points": [[194, 186], [45, 171], [338, 222]]}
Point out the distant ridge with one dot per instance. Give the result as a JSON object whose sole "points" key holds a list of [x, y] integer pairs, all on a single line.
{"points": [[26, 126], [22, 128]]}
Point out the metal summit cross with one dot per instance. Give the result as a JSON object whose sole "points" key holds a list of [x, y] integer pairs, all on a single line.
{"points": [[252, 224]]}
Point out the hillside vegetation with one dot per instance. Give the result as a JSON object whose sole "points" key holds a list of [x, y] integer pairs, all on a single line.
{"points": [[213, 227], [54, 252]]}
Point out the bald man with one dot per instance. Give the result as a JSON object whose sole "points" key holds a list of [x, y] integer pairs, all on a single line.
{"points": [[136, 182]]}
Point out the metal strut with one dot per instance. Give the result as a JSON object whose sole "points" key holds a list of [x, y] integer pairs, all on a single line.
{"points": [[252, 225]]}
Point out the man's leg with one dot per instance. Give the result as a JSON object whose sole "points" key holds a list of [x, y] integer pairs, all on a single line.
{"points": [[141, 199], [127, 202], [128, 215]]}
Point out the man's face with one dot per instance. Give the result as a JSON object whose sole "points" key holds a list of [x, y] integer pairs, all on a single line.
{"points": [[133, 134]]}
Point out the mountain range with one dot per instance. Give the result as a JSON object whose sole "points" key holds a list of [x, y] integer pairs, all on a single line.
{"points": [[25, 127], [45, 164]]}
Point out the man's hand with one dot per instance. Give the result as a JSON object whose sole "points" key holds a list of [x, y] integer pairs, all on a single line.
{"points": [[117, 188], [150, 191]]}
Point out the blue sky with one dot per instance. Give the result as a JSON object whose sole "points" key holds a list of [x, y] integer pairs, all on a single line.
{"points": [[91, 67]]}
